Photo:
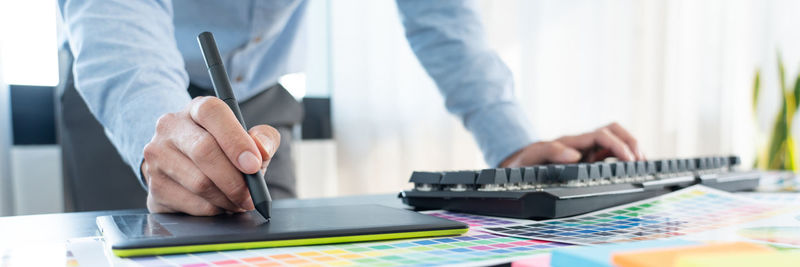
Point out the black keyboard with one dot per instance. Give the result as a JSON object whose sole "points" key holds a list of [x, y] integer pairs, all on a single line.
{"points": [[561, 190]]}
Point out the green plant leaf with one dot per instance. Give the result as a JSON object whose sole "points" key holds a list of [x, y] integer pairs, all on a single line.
{"points": [[756, 89], [781, 151], [776, 141], [797, 90], [790, 161]]}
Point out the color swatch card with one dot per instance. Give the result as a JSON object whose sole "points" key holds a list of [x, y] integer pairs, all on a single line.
{"points": [[475, 220], [472, 249], [781, 231], [782, 197], [692, 210]]}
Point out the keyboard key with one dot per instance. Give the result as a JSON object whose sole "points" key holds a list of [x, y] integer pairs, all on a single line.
{"points": [[641, 168], [543, 174], [723, 162], [425, 177], [662, 166], [618, 170], [673, 165], [734, 161], [574, 173], [651, 167], [681, 165], [690, 165], [605, 170], [701, 163], [529, 175], [594, 171], [554, 172], [492, 176], [714, 162], [458, 177], [630, 168], [514, 175]]}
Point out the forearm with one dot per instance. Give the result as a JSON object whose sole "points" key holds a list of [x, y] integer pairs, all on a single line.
{"points": [[449, 40], [127, 67]]}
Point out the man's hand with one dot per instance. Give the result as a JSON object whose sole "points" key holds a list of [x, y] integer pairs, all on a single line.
{"points": [[611, 140], [194, 162]]}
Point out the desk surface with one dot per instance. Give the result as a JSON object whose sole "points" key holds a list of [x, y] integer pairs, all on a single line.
{"points": [[59, 227]]}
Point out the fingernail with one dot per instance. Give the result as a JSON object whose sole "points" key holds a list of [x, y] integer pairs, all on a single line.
{"points": [[249, 162], [265, 143], [569, 155]]}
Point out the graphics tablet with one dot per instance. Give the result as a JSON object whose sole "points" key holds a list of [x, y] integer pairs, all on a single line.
{"points": [[156, 234]]}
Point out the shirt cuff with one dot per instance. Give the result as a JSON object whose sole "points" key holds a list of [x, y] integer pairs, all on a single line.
{"points": [[500, 130]]}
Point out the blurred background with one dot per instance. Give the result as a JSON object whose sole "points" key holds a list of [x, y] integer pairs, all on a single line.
{"points": [[679, 74]]}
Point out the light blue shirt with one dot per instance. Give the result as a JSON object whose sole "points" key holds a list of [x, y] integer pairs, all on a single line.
{"points": [[134, 59]]}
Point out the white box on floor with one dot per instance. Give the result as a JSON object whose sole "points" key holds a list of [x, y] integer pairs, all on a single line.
{"points": [[36, 179]]}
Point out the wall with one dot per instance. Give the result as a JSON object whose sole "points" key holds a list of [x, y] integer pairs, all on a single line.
{"points": [[6, 204]]}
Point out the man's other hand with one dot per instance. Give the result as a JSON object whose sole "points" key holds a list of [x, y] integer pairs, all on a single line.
{"points": [[194, 162], [611, 140]]}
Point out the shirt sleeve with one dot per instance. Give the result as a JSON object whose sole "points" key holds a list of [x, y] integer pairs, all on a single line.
{"points": [[449, 40], [127, 67]]}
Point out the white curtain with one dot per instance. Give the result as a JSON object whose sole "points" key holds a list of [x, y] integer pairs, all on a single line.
{"points": [[388, 117], [677, 73]]}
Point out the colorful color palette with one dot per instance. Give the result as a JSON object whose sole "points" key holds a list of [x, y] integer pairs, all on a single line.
{"points": [[783, 197], [474, 220], [473, 248], [778, 234], [691, 210]]}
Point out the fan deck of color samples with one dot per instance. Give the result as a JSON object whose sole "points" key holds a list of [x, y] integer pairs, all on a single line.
{"points": [[691, 210]]}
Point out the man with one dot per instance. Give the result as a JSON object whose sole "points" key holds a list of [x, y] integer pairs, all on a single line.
{"points": [[137, 66]]}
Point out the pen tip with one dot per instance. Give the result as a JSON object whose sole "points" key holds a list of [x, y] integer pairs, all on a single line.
{"points": [[263, 209]]}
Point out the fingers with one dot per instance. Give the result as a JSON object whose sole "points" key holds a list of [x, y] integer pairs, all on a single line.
{"points": [[543, 152], [611, 140], [556, 152], [182, 170], [203, 150], [213, 115], [601, 137], [628, 138], [607, 139], [168, 196]]}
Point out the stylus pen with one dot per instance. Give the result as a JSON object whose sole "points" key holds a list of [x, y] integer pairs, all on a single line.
{"points": [[222, 87]]}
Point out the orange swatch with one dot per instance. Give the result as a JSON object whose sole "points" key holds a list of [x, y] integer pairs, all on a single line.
{"points": [[667, 257]]}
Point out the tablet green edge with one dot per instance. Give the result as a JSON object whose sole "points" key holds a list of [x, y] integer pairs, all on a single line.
{"points": [[281, 243]]}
